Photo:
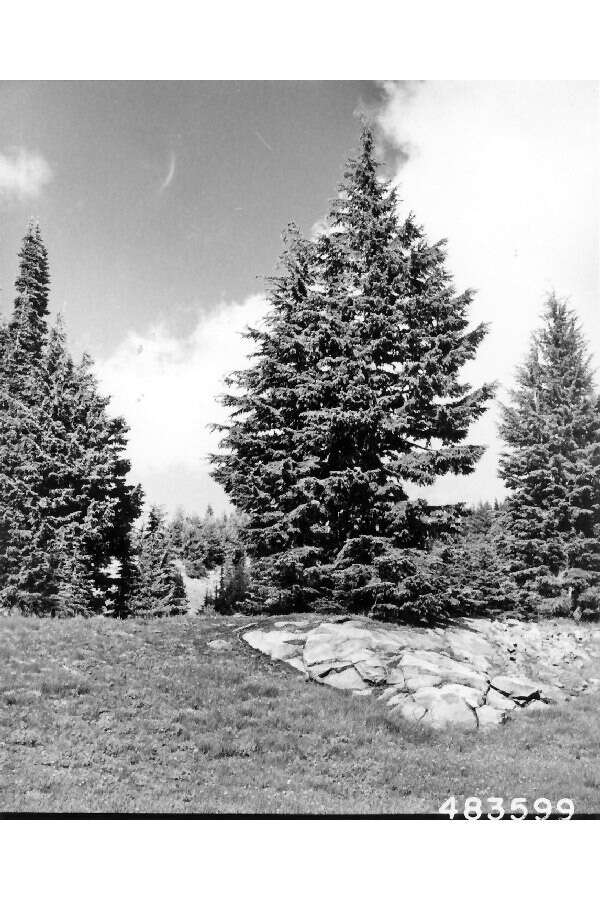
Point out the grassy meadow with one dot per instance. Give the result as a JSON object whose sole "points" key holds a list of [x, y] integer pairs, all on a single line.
{"points": [[141, 716]]}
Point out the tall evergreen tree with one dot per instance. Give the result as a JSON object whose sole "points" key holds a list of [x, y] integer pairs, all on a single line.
{"points": [[354, 395], [88, 498], [65, 506], [552, 468], [158, 588], [27, 567]]}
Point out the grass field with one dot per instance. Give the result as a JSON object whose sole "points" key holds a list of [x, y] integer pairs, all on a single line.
{"points": [[141, 716]]}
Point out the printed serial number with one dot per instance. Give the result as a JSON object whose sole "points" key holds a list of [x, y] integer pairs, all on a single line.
{"points": [[473, 808]]}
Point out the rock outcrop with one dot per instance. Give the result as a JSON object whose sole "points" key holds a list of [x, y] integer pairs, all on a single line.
{"points": [[473, 674]]}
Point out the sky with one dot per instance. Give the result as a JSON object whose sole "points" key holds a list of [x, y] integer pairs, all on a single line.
{"points": [[162, 206]]}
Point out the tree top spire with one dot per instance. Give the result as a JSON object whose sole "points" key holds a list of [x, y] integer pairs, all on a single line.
{"points": [[32, 284]]}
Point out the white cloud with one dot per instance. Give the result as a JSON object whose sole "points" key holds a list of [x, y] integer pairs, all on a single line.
{"points": [[23, 173], [166, 388], [509, 173]]}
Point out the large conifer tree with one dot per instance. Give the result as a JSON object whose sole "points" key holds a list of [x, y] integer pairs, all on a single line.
{"points": [[27, 570], [65, 507], [354, 395], [552, 467], [91, 503]]}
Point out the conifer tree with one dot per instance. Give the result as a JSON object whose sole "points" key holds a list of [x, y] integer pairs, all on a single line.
{"points": [[354, 395], [480, 518], [28, 326], [88, 498], [120, 593], [203, 543], [177, 529], [27, 564], [214, 540], [231, 591], [158, 588], [474, 570], [193, 547], [65, 506], [551, 517], [76, 592]]}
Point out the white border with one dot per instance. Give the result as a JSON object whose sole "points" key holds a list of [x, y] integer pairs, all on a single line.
{"points": [[312, 39]]}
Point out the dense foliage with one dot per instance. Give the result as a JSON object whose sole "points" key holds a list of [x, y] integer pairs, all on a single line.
{"points": [[353, 400], [204, 542], [353, 396], [66, 508], [551, 521], [234, 584], [158, 588], [475, 569]]}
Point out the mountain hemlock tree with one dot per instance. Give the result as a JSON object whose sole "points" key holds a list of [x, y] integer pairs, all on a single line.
{"points": [[65, 507], [353, 396], [551, 517], [158, 588]]}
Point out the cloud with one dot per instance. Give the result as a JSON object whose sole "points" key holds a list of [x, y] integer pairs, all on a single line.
{"points": [[508, 173], [23, 173], [166, 388], [170, 174]]}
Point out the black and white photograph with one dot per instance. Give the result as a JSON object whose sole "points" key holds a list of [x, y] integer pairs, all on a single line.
{"points": [[300, 448]]}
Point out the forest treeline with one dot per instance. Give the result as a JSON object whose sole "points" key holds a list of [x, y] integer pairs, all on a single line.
{"points": [[352, 401]]}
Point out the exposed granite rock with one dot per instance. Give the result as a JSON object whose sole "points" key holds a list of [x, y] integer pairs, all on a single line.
{"points": [[517, 688], [472, 674], [415, 680], [275, 644], [489, 716], [220, 644], [496, 700], [297, 662], [371, 670], [346, 680], [396, 677]]}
